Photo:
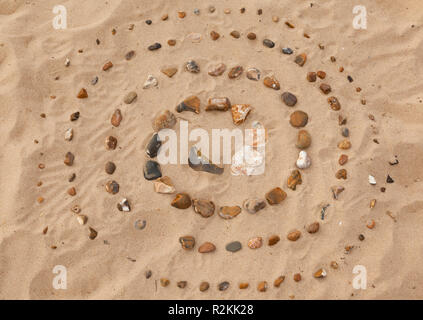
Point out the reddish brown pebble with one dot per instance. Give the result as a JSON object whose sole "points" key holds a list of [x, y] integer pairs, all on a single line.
{"points": [[294, 179], [111, 143], [371, 224], [69, 158], [313, 227], [311, 76], [251, 36], [45, 230], [107, 66], [262, 286], [272, 83], [297, 277], [164, 282], [273, 240], [171, 42], [181, 201], [321, 74], [187, 242], [165, 17], [93, 233], [243, 285], [204, 286], [228, 212], [301, 59], [181, 14], [289, 24], [214, 35], [294, 235], [116, 118], [344, 144], [334, 103], [325, 88], [278, 281], [341, 69], [72, 191], [298, 119], [235, 72], [235, 34], [40, 199], [82, 94], [341, 174], [275, 196], [207, 247]]}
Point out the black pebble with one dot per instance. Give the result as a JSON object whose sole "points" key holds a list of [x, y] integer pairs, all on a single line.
{"points": [[350, 79], [268, 43], [287, 51], [389, 179], [155, 46], [148, 22], [152, 170], [153, 146]]}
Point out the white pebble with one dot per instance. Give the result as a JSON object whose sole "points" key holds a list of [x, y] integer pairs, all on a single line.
{"points": [[372, 180], [303, 161], [150, 82], [69, 134]]}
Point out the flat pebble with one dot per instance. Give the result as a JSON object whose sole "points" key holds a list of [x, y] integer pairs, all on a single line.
{"points": [[153, 146], [204, 286], [187, 242], [198, 162], [69, 134], [130, 97], [271, 82], [235, 72], [112, 187], [191, 103], [313, 227], [289, 99], [298, 119], [301, 59], [140, 224], [152, 170], [255, 243], [287, 51], [233, 246], [192, 66], [110, 167], [273, 240], [278, 281], [223, 286], [164, 120], [235, 34], [111, 143], [218, 104], [240, 113], [164, 185], [116, 118], [345, 132], [262, 286], [150, 82], [69, 159], [294, 179], [217, 69], [229, 212], [154, 46], [275, 196], [253, 74], [182, 284], [124, 205], [325, 88], [254, 205], [207, 247], [251, 36], [181, 201], [268, 43], [205, 208], [334, 103], [311, 76], [303, 139], [130, 55], [170, 72], [294, 235]]}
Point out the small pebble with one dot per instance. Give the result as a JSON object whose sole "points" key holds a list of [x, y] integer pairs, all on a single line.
{"points": [[297, 277], [72, 177], [204, 286], [262, 286], [171, 42], [372, 180], [235, 72], [235, 34], [164, 282], [268, 43], [207, 247], [181, 284], [278, 281], [130, 97], [196, 11], [69, 159], [271, 82], [82, 94], [204, 208], [153, 146], [289, 99], [94, 81], [218, 104], [69, 134], [325, 88], [93, 233], [187, 242], [107, 66], [344, 144], [217, 70], [275, 19], [72, 191], [361, 237], [298, 119], [289, 24], [341, 174], [313, 227], [81, 219], [321, 273], [164, 185], [273, 240], [255, 243], [223, 286], [111, 143], [154, 46], [140, 224], [251, 36], [191, 103], [287, 51], [181, 14], [345, 132], [110, 167], [301, 59], [74, 116], [170, 72], [181, 201], [303, 139], [124, 205], [148, 274], [389, 179], [148, 22], [228, 212], [275, 196], [165, 17], [253, 74], [321, 74], [254, 205], [112, 187], [192, 66], [311, 76], [334, 103], [150, 82], [240, 113], [243, 285], [152, 170], [294, 179], [214, 35], [343, 159], [303, 161], [233, 246], [116, 118], [294, 235], [164, 120]]}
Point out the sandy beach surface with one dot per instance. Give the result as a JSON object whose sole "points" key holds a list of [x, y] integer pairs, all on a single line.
{"points": [[38, 95]]}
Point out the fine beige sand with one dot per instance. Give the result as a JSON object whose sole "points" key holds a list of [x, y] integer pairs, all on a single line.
{"points": [[385, 61]]}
